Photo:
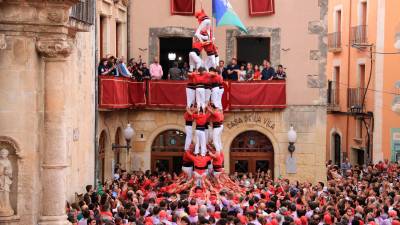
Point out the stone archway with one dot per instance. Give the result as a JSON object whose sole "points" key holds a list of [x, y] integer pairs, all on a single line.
{"points": [[167, 151], [251, 151]]}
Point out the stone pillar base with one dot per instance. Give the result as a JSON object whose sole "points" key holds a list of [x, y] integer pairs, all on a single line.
{"points": [[53, 220], [9, 220]]}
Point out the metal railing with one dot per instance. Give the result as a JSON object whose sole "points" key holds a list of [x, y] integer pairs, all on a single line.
{"points": [[359, 34], [84, 11], [355, 99], [332, 96], [334, 40]]}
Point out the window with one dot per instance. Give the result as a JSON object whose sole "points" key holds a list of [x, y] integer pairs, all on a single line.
{"points": [[118, 41], [336, 84], [338, 20], [363, 13], [253, 49], [102, 35]]}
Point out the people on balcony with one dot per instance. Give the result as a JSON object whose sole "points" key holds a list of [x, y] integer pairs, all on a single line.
{"points": [[280, 73], [268, 71], [232, 70], [156, 70], [175, 73], [257, 72]]}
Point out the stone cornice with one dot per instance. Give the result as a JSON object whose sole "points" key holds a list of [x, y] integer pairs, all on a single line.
{"points": [[54, 48]]}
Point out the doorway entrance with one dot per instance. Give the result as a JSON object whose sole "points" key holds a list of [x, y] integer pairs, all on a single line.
{"points": [[253, 50], [181, 46], [251, 151], [337, 148], [167, 151]]}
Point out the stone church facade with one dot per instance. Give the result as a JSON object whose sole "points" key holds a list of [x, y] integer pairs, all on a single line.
{"points": [[49, 121]]}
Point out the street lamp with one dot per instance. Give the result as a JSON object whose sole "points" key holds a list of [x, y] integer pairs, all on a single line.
{"points": [[292, 136], [128, 134]]}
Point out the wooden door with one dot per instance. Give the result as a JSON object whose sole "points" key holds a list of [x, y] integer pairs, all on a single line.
{"points": [[251, 151]]}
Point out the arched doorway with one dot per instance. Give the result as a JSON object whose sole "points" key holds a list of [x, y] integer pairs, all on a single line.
{"points": [[102, 154], [251, 151], [167, 151], [337, 148]]}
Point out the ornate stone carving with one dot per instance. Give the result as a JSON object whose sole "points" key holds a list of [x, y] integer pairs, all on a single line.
{"points": [[54, 48], [5, 184], [55, 17]]}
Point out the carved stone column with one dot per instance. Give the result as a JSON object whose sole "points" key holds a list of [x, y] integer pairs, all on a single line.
{"points": [[54, 163]]}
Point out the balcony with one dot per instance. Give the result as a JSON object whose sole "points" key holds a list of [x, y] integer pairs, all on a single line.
{"points": [[359, 35], [332, 97], [82, 15], [355, 97], [335, 42], [124, 93]]}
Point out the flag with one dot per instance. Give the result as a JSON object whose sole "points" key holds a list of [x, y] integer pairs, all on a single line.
{"points": [[225, 15]]}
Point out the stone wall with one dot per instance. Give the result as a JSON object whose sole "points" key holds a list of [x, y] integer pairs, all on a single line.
{"points": [[309, 122], [47, 107]]}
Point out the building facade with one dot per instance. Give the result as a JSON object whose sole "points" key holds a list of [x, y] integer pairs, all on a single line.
{"points": [[47, 105], [249, 134], [363, 88]]}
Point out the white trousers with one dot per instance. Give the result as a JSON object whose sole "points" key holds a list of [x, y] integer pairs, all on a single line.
{"points": [[201, 98], [190, 96], [200, 146], [189, 137], [188, 171], [210, 62], [216, 60], [217, 138], [194, 61], [215, 96], [208, 95], [221, 93]]}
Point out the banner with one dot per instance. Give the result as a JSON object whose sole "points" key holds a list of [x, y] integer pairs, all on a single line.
{"points": [[113, 92], [183, 7], [259, 95], [261, 7], [170, 94]]}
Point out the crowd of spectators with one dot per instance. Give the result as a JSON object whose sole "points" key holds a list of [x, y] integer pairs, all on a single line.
{"points": [[138, 70], [351, 195]]}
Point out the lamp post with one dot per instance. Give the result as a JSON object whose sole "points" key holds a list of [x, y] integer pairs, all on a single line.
{"points": [[128, 134], [292, 137]]}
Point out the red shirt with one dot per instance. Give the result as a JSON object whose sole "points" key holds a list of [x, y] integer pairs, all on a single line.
{"points": [[200, 162], [218, 160], [201, 119], [186, 157], [201, 79], [216, 79], [188, 117], [197, 45], [218, 117]]}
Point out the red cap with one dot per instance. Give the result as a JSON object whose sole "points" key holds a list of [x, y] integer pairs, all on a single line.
{"points": [[297, 222], [200, 15]]}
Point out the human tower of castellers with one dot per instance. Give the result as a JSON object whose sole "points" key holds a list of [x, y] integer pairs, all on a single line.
{"points": [[203, 160]]}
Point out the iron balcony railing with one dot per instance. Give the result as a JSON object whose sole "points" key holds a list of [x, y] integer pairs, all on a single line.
{"points": [[355, 99], [359, 34], [334, 41], [84, 11], [332, 96]]}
